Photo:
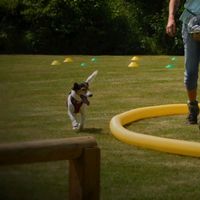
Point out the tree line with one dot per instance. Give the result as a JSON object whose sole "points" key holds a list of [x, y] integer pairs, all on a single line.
{"points": [[86, 27]]}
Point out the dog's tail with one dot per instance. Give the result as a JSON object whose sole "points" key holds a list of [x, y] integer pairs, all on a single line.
{"points": [[91, 77]]}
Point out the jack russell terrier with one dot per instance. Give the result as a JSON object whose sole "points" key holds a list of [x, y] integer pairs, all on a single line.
{"points": [[78, 100]]}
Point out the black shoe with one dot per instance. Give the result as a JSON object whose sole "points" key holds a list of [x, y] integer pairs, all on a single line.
{"points": [[193, 112]]}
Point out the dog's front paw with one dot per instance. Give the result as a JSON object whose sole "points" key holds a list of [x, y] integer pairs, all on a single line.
{"points": [[76, 127]]}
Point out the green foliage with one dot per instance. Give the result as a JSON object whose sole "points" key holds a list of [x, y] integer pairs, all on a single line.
{"points": [[85, 27]]}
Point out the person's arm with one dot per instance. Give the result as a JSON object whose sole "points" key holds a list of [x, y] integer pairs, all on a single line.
{"points": [[171, 24]]}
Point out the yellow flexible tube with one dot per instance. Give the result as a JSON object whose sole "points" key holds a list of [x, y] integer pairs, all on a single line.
{"points": [[181, 147]]}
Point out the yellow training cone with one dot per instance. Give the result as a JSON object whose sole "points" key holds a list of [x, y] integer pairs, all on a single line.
{"points": [[135, 58], [68, 60], [133, 64], [55, 62]]}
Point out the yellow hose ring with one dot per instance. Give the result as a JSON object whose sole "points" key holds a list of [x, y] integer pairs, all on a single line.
{"points": [[180, 147]]}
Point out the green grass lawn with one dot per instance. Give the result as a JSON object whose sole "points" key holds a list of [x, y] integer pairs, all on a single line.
{"points": [[32, 103]]}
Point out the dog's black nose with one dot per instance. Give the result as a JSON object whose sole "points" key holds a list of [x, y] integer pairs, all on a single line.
{"points": [[90, 95]]}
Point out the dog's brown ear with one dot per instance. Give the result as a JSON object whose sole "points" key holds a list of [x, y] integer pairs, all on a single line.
{"points": [[75, 87]]}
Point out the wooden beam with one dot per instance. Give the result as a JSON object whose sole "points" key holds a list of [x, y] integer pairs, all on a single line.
{"points": [[82, 153], [46, 150]]}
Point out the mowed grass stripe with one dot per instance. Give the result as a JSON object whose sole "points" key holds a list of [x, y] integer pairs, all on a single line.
{"points": [[33, 94]]}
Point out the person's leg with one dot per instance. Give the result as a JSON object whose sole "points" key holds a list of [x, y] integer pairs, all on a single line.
{"points": [[192, 95], [192, 56]]}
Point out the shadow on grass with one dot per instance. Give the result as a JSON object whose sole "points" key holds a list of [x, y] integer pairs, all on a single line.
{"points": [[92, 130]]}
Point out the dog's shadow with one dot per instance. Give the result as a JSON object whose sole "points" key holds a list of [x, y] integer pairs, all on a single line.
{"points": [[92, 130]]}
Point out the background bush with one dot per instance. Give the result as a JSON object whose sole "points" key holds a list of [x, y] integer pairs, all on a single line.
{"points": [[86, 27]]}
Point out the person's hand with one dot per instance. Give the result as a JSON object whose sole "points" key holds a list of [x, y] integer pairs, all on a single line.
{"points": [[196, 36], [171, 27]]}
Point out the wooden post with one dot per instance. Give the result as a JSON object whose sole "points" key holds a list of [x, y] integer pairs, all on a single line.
{"points": [[82, 153], [84, 176], [44, 150]]}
